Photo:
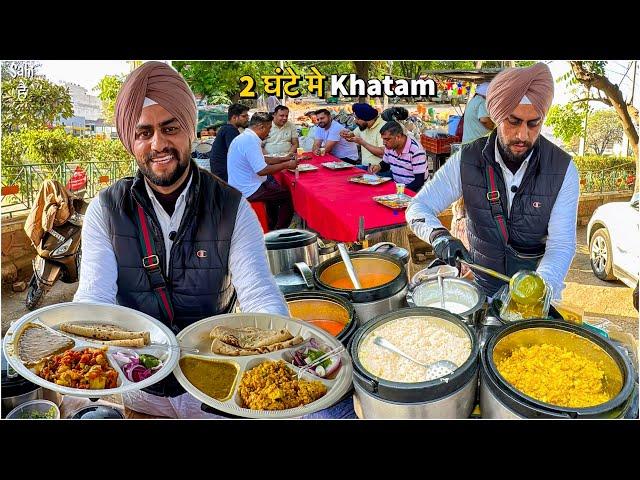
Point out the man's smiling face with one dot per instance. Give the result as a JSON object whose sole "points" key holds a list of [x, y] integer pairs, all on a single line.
{"points": [[162, 148]]}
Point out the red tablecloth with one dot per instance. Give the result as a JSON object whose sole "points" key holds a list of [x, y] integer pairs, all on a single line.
{"points": [[332, 206]]}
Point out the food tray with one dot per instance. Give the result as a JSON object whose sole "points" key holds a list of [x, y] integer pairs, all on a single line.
{"points": [[197, 335], [360, 179], [164, 344], [338, 165], [304, 167], [393, 201]]}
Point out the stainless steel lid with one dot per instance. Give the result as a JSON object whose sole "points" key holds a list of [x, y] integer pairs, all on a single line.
{"points": [[289, 238]]}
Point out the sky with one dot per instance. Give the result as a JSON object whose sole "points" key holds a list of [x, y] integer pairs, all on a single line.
{"points": [[88, 73]]}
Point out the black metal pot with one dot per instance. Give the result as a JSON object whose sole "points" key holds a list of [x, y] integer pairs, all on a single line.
{"points": [[368, 302], [453, 398], [499, 399]]}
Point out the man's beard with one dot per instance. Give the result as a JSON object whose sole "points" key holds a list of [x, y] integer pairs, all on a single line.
{"points": [[169, 178], [362, 127], [505, 151]]}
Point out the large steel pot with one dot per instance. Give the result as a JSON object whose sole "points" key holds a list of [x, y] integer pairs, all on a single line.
{"points": [[369, 302], [499, 399], [287, 247], [461, 297], [452, 396]]}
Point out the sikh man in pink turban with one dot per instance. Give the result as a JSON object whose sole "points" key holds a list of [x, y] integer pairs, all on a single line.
{"points": [[520, 190], [175, 242]]}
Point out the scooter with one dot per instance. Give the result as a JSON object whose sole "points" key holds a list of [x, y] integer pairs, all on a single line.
{"points": [[59, 258]]}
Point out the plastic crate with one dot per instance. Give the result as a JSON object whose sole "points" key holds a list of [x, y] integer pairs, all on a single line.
{"points": [[438, 145]]}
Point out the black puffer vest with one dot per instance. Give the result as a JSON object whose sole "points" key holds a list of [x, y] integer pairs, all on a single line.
{"points": [[199, 286], [529, 217]]}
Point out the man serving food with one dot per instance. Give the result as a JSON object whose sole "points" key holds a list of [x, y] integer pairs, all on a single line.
{"points": [[519, 189]]}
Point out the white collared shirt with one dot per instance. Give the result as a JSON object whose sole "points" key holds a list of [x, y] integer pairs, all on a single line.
{"points": [[446, 187], [244, 160], [250, 274]]}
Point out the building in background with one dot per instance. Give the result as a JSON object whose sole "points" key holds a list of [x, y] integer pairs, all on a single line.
{"points": [[87, 113]]}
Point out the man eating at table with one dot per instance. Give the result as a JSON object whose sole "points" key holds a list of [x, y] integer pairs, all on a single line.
{"points": [[367, 135], [403, 156], [327, 135], [252, 173]]}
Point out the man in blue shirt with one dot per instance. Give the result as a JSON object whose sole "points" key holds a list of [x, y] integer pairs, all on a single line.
{"points": [[327, 135], [477, 122]]}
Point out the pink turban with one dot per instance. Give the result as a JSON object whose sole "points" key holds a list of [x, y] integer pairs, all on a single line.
{"points": [[509, 87], [162, 84]]}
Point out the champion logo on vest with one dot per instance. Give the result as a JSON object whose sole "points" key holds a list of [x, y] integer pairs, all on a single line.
{"points": [[536, 204], [201, 254]]}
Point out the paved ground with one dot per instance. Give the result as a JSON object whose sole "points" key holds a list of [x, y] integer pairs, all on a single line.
{"points": [[13, 303], [609, 300]]}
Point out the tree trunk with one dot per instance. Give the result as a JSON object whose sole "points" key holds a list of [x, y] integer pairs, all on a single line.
{"points": [[362, 70], [613, 93]]}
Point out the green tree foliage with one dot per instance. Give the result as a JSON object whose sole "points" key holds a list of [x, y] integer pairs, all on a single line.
{"points": [[52, 147], [38, 106], [567, 122], [108, 89], [221, 80], [603, 128]]}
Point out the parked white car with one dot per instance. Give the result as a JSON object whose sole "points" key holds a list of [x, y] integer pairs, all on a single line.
{"points": [[613, 235]]}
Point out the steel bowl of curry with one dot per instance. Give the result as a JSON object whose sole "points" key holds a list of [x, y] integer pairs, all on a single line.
{"points": [[332, 313], [380, 275]]}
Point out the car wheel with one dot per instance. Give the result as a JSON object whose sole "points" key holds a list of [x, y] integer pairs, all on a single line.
{"points": [[601, 255], [635, 297]]}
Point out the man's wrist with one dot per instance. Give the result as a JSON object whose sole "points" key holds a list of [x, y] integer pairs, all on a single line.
{"points": [[437, 233]]}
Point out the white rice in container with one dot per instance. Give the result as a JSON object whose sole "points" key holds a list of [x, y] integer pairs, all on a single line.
{"points": [[426, 339]]}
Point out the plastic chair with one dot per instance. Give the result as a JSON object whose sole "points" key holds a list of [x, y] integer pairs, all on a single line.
{"points": [[261, 211]]}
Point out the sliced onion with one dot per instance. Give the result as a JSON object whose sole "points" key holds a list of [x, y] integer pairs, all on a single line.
{"points": [[125, 356], [129, 369], [140, 374]]}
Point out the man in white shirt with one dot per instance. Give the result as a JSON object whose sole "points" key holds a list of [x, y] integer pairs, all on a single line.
{"points": [[187, 276], [520, 190], [327, 135], [251, 173]]}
